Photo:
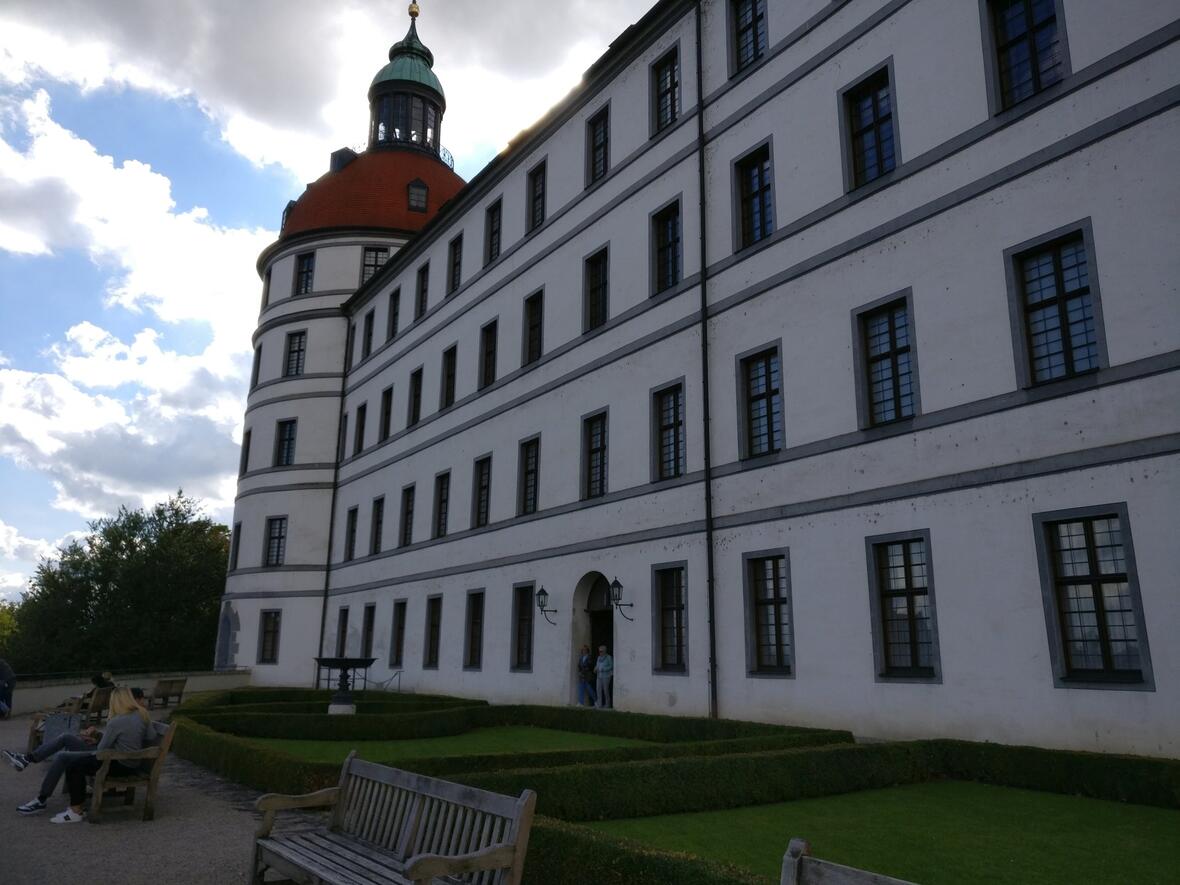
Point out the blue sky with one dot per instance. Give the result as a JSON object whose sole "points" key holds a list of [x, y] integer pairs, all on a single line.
{"points": [[146, 153]]}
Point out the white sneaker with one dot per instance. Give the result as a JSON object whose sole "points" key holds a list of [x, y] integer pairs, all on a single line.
{"points": [[68, 817]]}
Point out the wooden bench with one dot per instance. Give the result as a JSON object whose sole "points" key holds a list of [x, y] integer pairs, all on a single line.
{"points": [[104, 780], [166, 689], [800, 868], [392, 827]]}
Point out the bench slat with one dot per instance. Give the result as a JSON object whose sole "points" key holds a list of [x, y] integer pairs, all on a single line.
{"points": [[327, 867], [473, 797], [372, 861]]}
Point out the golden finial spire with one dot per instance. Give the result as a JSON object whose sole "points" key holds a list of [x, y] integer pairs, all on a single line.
{"points": [[413, 8]]}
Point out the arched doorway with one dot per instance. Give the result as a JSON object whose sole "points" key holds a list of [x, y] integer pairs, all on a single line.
{"points": [[593, 623]]}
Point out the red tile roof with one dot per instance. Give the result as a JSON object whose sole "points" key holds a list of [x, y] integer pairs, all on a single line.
{"points": [[371, 191]]}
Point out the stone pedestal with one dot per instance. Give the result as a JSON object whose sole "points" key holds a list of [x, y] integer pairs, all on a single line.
{"points": [[335, 709]]}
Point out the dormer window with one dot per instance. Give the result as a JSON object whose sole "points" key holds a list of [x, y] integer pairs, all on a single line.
{"points": [[417, 195]]}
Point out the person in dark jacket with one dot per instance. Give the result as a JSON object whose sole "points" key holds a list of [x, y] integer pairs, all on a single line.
{"points": [[585, 678], [7, 684]]}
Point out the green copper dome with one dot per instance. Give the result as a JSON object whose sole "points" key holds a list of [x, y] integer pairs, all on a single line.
{"points": [[410, 62]]}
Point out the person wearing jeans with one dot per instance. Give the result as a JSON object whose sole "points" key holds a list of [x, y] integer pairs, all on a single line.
{"points": [[605, 668], [585, 678]]}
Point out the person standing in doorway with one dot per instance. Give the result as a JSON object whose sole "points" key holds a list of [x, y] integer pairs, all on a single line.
{"points": [[604, 667], [585, 678], [7, 684]]}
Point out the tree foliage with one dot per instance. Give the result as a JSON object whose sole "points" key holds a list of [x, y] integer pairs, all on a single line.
{"points": [[141, 592]]}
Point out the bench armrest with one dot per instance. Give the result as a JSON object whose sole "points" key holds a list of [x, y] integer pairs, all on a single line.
{"points": [[426, 867], [273, 802]]}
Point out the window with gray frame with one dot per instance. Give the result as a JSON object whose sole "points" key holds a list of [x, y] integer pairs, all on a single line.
{"points": [[529, 482], [285, 443], [417, 195], [350, 534], [358, 440], [536, 197], [304, 273], [473, 641], [886, 363], [385, 426], [598, 146], [665, 226], [455, 265], [492, 226], [487, 354], [594, 456], [367, 335], [265, 290], [406, 535], [371, 261], [256, 367], [762, 400], [244, 460], [296, 354], [748, 28], [522, 627], [269, 625], [422, 293], [342, 631], [368, 622], [341, 442], [768, 607], [595, 290], [391, 322], [871, 128], [442, 503], [1093, 608], [534, 323], [670, 608], [376, 525], [397, 641], [414, 406], [901, 593], [755, 194], [447, 382], [235, 546], [481, 503], [276, 541], [1029, 49], [668, 406], [349, 345], [433, 632], [665, 90]]}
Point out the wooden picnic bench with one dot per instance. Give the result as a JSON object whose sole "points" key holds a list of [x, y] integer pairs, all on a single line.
{"points": [[149, 777], [800, 868], [164, 690], [392, 827]]}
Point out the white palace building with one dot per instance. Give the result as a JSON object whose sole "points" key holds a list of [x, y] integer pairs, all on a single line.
{"points": [[822, 359]]}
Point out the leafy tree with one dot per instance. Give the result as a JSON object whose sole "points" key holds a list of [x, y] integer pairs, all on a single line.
{"points": [[141, 592]]}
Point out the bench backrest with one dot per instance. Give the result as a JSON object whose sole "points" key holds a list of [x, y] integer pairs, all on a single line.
{"points": [[799, 868], [410, 814], [168, 687], [96, 707]]}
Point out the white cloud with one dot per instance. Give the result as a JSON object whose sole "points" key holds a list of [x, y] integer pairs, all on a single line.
{"points": [[14, 546]]}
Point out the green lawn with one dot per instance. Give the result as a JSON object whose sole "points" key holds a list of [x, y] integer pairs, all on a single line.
{"points": [[506, 739], [946, 832]]}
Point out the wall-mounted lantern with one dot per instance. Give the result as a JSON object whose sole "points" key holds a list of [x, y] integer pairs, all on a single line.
{"points": [[542, 602], [616, 596]]}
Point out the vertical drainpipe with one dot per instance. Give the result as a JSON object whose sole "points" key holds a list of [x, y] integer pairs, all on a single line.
{"points": [[704, 332], [335, 487]]}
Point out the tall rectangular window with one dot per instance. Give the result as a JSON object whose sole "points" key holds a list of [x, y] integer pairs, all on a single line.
{"points": [[376, 526], [447, 383], [885, 342], [268, 636], [755, 197], [594, 456], [406, 535], [350, 534], [342, 442], [371, 261], [487, 354], [522, 627], [665, 79], [763, 404], [871, 137], [598, 146], [433, 632], [481, 503], [1029, 51], [473, 644], [391, 323], [265, 290], [256, 368], [244, 461], [1060, 326], [386, 425], [536, 197], [529, 481], [669, 428], [770, 610], [422, 293], [367, 336], [492, 226], [235, 546], [358, 440], [276, 541], [304, 273], [534, 309], [455, 265], [296, 354], [906, 614], [748, 27], [595, 290], [442, 503], [368, 622], [349, 347], [397, 642], [284, 443], [342, 631], [414, 414], [670, 623], [666, 241]]}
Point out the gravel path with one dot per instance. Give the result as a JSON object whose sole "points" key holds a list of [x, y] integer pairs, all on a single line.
{"points": [[202, 832]]}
